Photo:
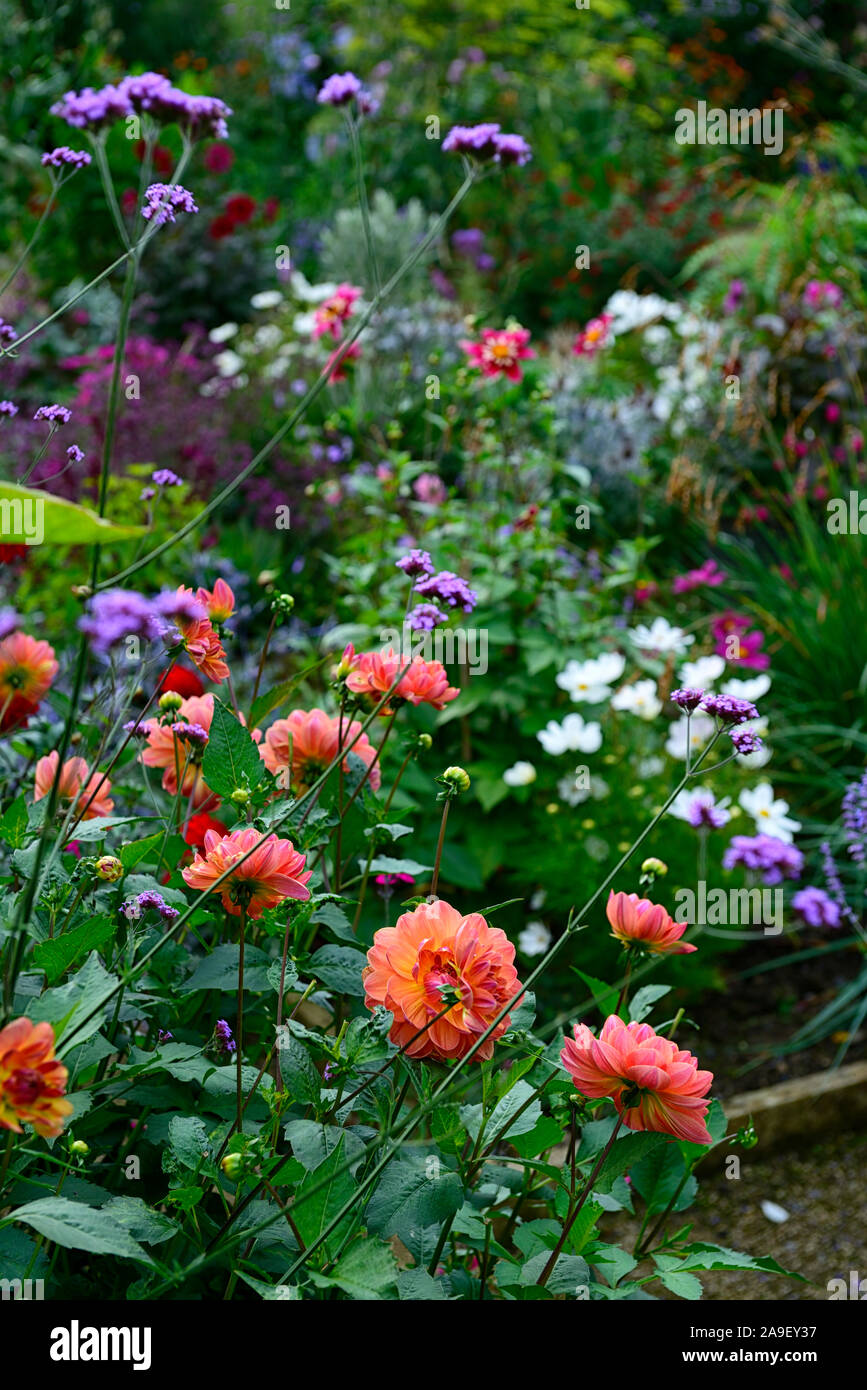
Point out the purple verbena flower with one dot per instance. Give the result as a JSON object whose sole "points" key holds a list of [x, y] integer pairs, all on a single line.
{"points": [[769, 856], [816, 908], [729, 708], [7, 333], [74, 454], [415, 562], [57, 158], [53, 413], [164, 1036], [164, 477], [339, 89], [172, 604], [512, 149], [448, 588], [191, 733], [854, 811], [117, 614], [477, 141], [425, 617], [162, 200], [7, 408], [8, 622], [688, 699], [223, 1040], [745, 741]]}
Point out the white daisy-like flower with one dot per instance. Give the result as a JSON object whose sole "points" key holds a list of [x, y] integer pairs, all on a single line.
{"points": [[701, 808], [228, 363], [640, 699], [574, 793], [651, 767], [702, 673], [534, 940], [222, 333], [751, 690], [701, 729], [267, 299], [662, 637], [573, 735], [591, 681], [769, 812], [520, 774]]}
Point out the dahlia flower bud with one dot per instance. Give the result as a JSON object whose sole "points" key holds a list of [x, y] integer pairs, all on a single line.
{"points": [[170, 702], [282, 605], [233, 1166], [747, 1137], [456, 780], [241, 796], [109, 869], [425, 742], [78, 1146], [654, 866]]}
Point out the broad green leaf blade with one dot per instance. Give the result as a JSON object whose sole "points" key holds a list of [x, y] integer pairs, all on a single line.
{"points": [[32, 517]]}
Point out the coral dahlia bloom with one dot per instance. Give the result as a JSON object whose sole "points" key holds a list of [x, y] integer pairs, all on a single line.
{"points": [[32, 1081], [306, 742], [27, 668], [594, 337], [654, 1085], [425, 682], [201, 641], [219, 601], [500, 351], [274, 871], [433, 955], [334, 311], [168, 751], [639, 922], [94, 795]]}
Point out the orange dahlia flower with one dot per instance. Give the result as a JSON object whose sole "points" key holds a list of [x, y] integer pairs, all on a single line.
{"points": [[274, 871], [433, 955], [27, 668], [94, 795], [639, 922], [32, 1081], [425, 682], [653, 1084], [219, 601], [201, 641], [171, 753], [306, 742]]}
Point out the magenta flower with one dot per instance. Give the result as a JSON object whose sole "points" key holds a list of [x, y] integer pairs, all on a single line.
{"points": [[708, 575], [339, 89], [737, 643], [500, 352]]}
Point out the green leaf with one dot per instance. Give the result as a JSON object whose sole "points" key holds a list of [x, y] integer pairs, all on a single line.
{"points": [[544, 1135], [188, 1140], [612, 1262], [138, 850], [219, 970], [312, 1143], [623, 1154], [417, 1284], [644, 1000], [77, 1227], [384, 864], [603, 994], [13, 826], [132, 1214], [339, 968], [96, 829], [684, 1285], [299, 1074], [66, 1006], [321, 1196], [366, 1272], [58, 953], [570, 1274], [231, 757], [332, 916], [656, 1177], [34, 517], [407, 1197]]}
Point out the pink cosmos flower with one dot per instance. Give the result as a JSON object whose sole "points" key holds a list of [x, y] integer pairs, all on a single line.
{"points": [[431, 958], [819, 293], [746, 650], [707, 575], [72, 786], [653, 1084], [639, 922], [337, 368], [273, 872], [425, 682], [306, 742], [334, 311], [430, 488], [500, 351], [594, 337]]}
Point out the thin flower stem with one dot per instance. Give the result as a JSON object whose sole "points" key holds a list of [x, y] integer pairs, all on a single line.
{"points": [[571, 1218], [239, 1040], [362, 198], [261, 667], [46, 212], [440, 842]]}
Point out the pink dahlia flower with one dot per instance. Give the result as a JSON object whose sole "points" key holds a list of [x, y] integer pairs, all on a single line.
{"points": [[639, 922], [425, 682], [434, 956], [594, 337], [273, 872], [654, 1085], [305, 743], [500, 351]]}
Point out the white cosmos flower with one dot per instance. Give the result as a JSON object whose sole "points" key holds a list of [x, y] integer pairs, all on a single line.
{"points": [[519, 775], [268, 336], [701, 808], [701, 673], [267, 299], [569, 790], [222, 333], [768, 812], [651, 767], [228, 363], [751, 690], [572, 736], [592, 680], [640, 699], [535, 939], [701, 729], [310, 294], [662, 637]]}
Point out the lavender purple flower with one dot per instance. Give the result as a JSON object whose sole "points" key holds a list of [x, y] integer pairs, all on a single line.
{"points": [[164, 477], [6, 407], [74, 454], [729, 708], [745, 741], [687, 699], [425, 617], [415, 562], [448, 588], [54, 413], [148, 901], [162, 200], [855, 819], [62, 155], [8, 622], [816, 908], [200, 117], [117, 614], [191, 733], [223, 1040], [767, 855], [339, 89]]}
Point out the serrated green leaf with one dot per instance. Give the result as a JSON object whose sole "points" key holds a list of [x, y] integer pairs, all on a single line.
{"points": [[58, 953], [231, 757], [78, 1227], [219, 970], [339, 968]]}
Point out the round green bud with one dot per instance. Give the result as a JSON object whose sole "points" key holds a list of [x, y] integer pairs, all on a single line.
{"points": [[654, 866], [456, 778], [241, 796], [425, 741], [282, 605], [109, 869], [78, 1146], [232, 1165], [170, 701]]}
